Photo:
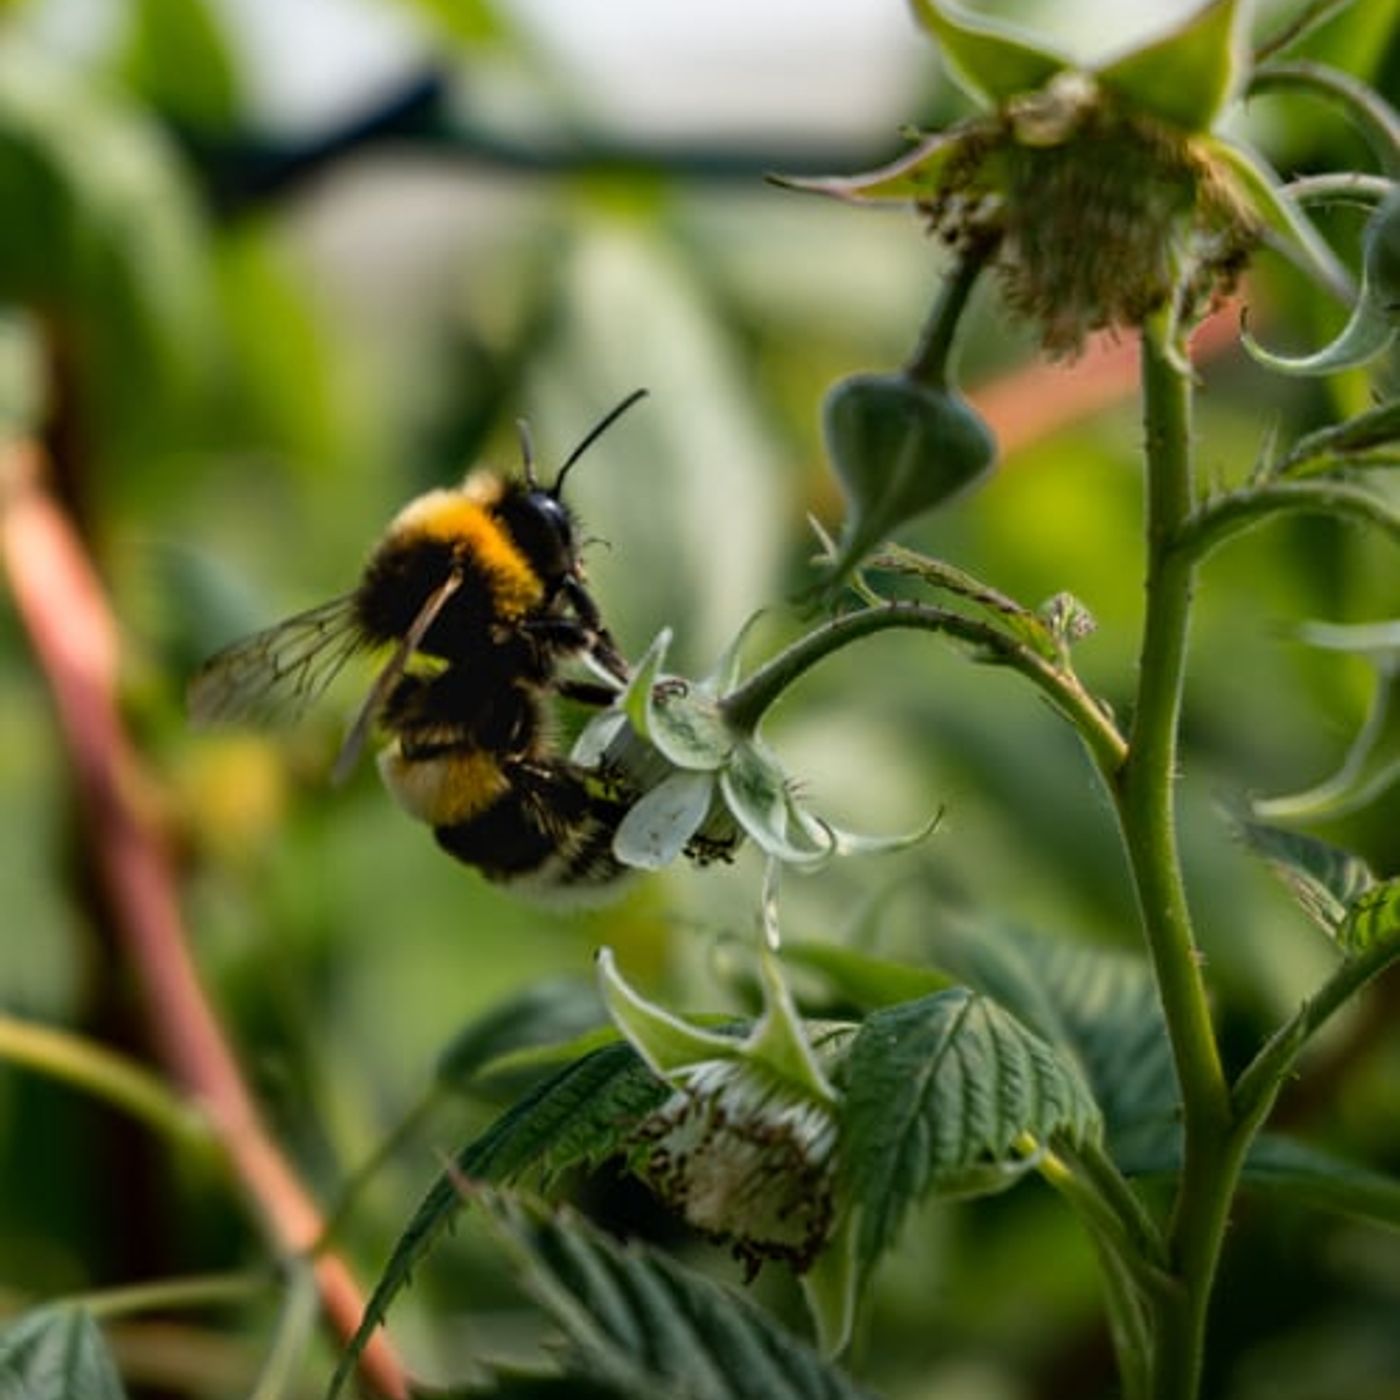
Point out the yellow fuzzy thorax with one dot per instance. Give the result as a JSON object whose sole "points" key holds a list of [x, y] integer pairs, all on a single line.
{"points": [[446, 789], [464, 519]]}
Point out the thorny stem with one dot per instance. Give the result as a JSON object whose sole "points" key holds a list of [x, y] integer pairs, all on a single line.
{"points": [[60, 603], [1146, 809], [744, 706]]}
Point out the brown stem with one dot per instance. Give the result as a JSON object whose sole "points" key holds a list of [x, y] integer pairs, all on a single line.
{"points": [[61, 605]]}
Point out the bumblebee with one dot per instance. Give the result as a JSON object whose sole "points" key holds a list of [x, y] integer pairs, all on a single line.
{"points": [[480, 592]]}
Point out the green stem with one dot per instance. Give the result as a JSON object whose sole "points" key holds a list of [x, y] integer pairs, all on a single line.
{"points": [[1217, 521], [1328, 448], [107, 1076], [744, 706], [928, 365], [1146, 810], [1259, 1082], [166, 1295]]}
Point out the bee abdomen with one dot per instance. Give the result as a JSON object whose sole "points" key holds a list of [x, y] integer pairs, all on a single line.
{"points": [[550, 831]]}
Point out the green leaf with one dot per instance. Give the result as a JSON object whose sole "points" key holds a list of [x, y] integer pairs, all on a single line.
{"points": [[560, 1009], [990, 62], [580, 1116], [1372, 764], [637, 1322], [1189, 75], [21, 377], [177, 61], [866, 982], [1323, 879], [1100, 1005], [1373, 917], [56, 1353], [1316, 1178], [938, 1090], [101, 229]]}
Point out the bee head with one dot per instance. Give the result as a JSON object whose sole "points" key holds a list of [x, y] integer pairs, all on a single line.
{"points": [[543, 524]]}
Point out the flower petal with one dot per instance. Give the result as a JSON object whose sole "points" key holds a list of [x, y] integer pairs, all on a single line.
{"points": [[657, 827]]}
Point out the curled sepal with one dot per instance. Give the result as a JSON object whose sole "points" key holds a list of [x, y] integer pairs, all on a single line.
{"points": [[1375, 319], [755, 790], [745, 1146], [1372, 764], [829, 1287], [855, 843], [990, 62], [634, 702], [899, 449], [1283, 222], [1190, 75]]}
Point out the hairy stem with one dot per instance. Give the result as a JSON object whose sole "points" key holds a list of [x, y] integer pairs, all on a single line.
{"points": [[1146, 809], [744, 706], [929, 362]]}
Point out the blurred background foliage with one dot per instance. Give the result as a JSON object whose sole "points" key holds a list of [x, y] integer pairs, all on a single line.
{"points": [[293, 263]]}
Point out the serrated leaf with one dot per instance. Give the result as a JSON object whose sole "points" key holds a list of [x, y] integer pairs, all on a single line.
{"points": [[57, 1354], [942, 1088], [641, 1324], [1098, 1004], [1323, 879], [560, 1009], [1188, 76], [581, 1115], [989, 61], [658, 826], [1373, 917]]}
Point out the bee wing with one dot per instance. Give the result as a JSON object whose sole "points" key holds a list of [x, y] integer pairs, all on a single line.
{"points": [[385, 681], [277, 673]]}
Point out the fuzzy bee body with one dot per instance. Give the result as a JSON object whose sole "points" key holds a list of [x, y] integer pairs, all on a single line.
{"points": [[480, 592]]}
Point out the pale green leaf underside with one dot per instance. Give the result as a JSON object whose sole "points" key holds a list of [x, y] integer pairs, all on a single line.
{"points": [[639, 1324], [56, 1354], [1323, 879], [940, 1090]]}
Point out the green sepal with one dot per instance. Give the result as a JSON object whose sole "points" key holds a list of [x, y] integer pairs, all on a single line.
{"points": [[917, 174], [1188, 76], [1375, 319], [685, 724], [1293, 233], [779, 1041], [1372, 763], [635, 700], [668, 1044], [755, 791], [990, 62], [829, 1287]]}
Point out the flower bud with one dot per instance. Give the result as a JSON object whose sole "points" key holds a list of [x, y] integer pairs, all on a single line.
{"points": [[899, 448]]}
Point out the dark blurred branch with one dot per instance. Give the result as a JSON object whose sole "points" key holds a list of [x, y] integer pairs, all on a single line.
{"points": [[245, 170], [62, 608]]}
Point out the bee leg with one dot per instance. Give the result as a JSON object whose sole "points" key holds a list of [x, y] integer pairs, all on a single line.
{"points": [[600, 645], [587, 692]]}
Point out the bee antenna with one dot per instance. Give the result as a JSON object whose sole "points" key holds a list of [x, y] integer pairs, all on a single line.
{"points": [[593, 435], [527, 454]]}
